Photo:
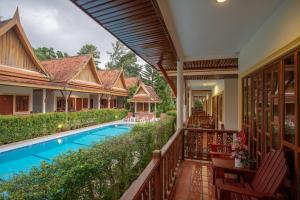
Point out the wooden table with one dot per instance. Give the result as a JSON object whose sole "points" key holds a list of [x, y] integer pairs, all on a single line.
{"points": [[225, 165]]}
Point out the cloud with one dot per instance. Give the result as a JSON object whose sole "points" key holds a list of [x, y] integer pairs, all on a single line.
{"points": [[59, 24]]}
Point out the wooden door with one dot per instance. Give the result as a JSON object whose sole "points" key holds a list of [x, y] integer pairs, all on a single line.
{"points": [[78, 104], [71, 104], [6, 104], [91, 103]]}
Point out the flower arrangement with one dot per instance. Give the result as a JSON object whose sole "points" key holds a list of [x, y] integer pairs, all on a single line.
{"points": [[240, 152]]}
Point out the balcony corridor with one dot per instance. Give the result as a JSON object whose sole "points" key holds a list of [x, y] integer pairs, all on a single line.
{"points": [[194, 181]]}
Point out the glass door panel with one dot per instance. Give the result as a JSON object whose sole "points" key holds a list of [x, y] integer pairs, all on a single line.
{"points": [[289, 99], [275, 136]]}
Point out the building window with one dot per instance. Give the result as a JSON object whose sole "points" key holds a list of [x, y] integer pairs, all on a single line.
{"points": [[85, 103], [22, 103]]}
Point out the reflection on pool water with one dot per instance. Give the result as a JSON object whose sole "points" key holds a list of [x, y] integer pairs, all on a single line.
{"points": [[23, 159]]}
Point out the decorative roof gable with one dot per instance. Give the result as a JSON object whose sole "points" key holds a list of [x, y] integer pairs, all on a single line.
{"points": [[132, 81], [16, 51], [70, 69], [145, 93], [112, 79]]}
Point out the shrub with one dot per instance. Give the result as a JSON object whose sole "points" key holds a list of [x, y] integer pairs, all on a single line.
{"points": [[103, 171], [18, 128], [172, 113], [198, 104]]}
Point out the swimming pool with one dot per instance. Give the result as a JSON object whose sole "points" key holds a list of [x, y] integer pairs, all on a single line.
{"points": [[23, 159]]}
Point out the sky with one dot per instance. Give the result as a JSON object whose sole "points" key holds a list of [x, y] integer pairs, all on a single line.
{"points": [[59, 24]]}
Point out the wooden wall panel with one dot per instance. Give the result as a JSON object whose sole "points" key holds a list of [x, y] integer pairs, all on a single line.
{"points": [[13, 53], [273, 92], [87, 75], [119, 84], [141, 91]]}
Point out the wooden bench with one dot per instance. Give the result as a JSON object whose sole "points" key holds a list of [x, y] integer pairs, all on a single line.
{"points": [[265, 183]]}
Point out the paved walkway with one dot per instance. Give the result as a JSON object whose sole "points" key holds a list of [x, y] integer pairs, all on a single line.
{"points": [[195, 181]]}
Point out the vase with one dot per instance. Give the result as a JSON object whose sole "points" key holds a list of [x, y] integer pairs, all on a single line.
{"points": [[238, 163]]}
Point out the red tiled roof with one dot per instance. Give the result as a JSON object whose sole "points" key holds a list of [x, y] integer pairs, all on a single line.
{"points": [[108, 77], [152, 92], [64, 69], [141, 99], [131, 81], [18, 80], [152, 97]]}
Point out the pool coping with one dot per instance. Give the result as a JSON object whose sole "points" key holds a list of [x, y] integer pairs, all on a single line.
{"points": [[29, 142]]}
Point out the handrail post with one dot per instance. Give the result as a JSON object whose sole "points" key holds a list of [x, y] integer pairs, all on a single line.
{"points": [[158, 176], [182, 150]]}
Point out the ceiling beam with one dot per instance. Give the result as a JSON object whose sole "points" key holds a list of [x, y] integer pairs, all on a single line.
{"points": [[170, 82]]}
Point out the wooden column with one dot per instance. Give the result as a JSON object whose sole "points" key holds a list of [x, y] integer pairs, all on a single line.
{"points": [[149, 106], [44, 101], [135, 107], [158, 177], [155, 107], [179, 101], [108, 101], [66, 102], [99, 101], [190, 102]]}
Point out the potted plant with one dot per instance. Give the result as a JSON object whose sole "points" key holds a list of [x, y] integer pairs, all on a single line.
{"points": [[240, 153]]}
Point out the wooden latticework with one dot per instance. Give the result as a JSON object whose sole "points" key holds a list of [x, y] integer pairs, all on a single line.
{"points": [[199, 142]]}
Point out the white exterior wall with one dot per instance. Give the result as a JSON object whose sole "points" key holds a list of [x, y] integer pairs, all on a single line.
{"points": [[37, 101], [50, 101], [219, 89], [95, 100], [14, 90], [280, 29], [230, 102]]}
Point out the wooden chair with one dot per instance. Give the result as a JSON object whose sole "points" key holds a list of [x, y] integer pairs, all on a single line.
{"points": [[265, 183]]}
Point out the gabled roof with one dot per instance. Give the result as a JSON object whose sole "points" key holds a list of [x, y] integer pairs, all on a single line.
{"points": [[152, 92], [132, 81], [145, 93], [111, 80], [108, 77], [11, 73], [15, 24], [66, 71]]}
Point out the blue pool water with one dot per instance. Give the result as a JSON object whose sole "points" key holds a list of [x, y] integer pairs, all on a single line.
{"points": [[23, 159]]}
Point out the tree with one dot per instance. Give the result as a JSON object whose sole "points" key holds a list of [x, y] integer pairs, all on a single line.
{"points": [[165, 94], [45, 53], [119, 50], [149, 75], [90, 49], [131, 92], [60, 54], [120, 57]]}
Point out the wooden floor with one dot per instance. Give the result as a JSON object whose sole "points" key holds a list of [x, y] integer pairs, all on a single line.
{"points": [[195, 181]]}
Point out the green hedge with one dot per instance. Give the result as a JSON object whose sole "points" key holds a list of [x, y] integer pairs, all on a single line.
{"points": [[103, 171], [172, 113], [18, 128]]}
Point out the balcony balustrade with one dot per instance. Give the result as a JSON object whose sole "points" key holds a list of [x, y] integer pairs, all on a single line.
{"points": [[158, 179]]}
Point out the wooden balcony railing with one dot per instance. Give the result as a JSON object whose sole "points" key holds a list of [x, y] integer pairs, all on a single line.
{"points": [[198, 141], [201, 121], [158, 179]]}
